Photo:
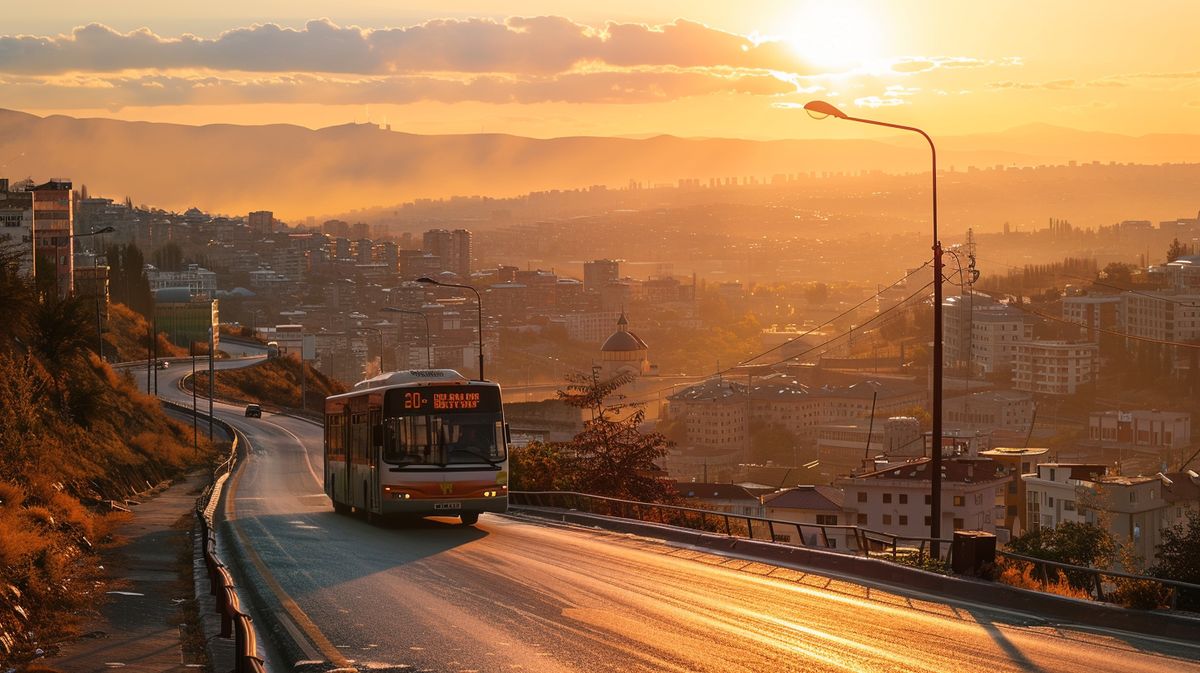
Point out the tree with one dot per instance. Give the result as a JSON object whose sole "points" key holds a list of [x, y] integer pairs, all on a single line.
{"points": [[1179, 557], [612, 456], [1118, 274], [169, 257], [1080, 544], [1176, 250]]}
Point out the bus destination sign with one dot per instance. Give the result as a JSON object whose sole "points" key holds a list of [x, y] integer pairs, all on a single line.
{"points": [[448, 401], [439, 399]]}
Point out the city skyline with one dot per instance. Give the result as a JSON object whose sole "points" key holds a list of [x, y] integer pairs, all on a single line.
{"points": [[551, 69]]}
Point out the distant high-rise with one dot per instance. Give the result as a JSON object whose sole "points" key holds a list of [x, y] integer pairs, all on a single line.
{"points": [[261, 222], [598, 273], [452, 247], [54, 231]]}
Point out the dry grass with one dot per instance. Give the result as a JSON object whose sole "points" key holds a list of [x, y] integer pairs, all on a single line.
{"points": [[275, 382], [1021, 574], [125, 339]]}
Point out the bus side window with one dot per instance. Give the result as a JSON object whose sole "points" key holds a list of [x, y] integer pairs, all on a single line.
{"points": [[376, 430]]}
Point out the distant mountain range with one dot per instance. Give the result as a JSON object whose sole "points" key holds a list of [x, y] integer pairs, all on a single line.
{"points": [[296, 171]]}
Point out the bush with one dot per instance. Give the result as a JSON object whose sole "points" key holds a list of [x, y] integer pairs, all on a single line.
{"points": [[1020, 574], [1140, 594]]}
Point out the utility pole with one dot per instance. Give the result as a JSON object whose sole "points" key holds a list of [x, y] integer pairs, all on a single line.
{"points": [[211, 381]]}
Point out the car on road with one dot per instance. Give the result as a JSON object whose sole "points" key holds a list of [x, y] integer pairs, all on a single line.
{"points": [[253, 411], [163, 364]]}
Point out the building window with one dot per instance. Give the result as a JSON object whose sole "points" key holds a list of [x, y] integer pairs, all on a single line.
{"points": [[959, 501], [928, 500], [928, 521], [958, 523], [903, 520], [1068, 505], [887, 497], [887, 519], [862, 496], [827, 519], [903, 498], [862, 519]]}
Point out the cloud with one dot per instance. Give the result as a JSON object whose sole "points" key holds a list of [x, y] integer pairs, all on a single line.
{"points": [[912, 65], [530, 46], [641, 86], [878, 101]]}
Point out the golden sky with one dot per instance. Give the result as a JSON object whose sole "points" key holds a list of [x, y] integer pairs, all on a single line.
{"points": [[543, 69]]}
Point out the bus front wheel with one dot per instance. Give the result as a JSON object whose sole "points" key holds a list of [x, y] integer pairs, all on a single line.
{"points": [[469, 518]]}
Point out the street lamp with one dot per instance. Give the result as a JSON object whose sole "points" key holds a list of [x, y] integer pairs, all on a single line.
{"points": [[428, 346], [478, 302], [819, 110]]}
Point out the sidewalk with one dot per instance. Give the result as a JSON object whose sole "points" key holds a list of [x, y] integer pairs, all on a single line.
{"points": [[140, 627]]}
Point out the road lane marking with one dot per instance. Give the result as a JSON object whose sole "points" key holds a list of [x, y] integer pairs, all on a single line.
{"points": [[320, 482], [299, 617]]}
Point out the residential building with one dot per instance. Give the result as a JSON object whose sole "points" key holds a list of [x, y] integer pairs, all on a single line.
{"points": [[200, 282], [1151, 429], [896, 498], [599, 273], [261, 222], [728, 498], [1053, 492], [990, 410], [1016, 462], [818, 505], [453, 248], [1055, 367], [1160, 315], [16, 226], [186, 319], [54, 230], [1094, 313]]}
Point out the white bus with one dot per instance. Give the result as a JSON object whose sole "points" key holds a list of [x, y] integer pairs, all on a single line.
{"points": [[417, 443]]}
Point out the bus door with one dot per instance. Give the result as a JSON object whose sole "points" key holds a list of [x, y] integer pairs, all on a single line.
{"points": [[375, 419]]}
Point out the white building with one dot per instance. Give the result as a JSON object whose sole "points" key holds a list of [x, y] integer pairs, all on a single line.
{"points": [[1052, 493], [896, 499], [995, 333], [821, 505], [1055, 367], [1158, 315], [199, 281]]}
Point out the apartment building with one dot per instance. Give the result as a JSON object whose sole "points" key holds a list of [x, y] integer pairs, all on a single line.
{"points": [[1141, 428], [1055, 367]]}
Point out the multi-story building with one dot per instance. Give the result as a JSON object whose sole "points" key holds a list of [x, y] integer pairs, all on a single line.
{"points": [[261, 222], [1055, 367], [453, 248], [990, 410], [600, 272], [1093, 313], [1160, 315], [1141, 428], [54, 230], [1016, 462], [1053, 492], [16, 226], [200, 282], [185, 319], [896, 499], [995, 332], [715, 414]]}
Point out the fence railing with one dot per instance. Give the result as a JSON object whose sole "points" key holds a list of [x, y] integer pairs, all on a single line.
{"points": [[853, 539], [235, 622], [1102, 584]]}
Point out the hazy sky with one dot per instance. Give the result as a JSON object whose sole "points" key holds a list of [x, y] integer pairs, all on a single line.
{"points": [[542, 68]]}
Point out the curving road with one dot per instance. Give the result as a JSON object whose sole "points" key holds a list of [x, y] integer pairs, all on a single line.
{"points": [[513, 594]]}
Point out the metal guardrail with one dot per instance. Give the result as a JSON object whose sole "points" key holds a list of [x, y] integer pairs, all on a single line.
{"points": [[871, 543], [1096, 584], [867, 542], [235, 622]]}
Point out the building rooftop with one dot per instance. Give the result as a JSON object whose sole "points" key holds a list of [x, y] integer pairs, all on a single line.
{"points": [[954, 470], [807, 497], [705, 491]]}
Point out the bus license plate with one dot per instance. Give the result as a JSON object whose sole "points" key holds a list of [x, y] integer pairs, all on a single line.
{"points": [[447, 505]]}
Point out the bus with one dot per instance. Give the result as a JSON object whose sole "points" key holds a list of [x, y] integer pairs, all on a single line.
{"points": [[416, 443], [272, 349]]}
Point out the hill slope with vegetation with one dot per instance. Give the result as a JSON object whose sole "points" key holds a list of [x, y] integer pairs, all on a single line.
{"points": [[74, 435], [275, 382]]}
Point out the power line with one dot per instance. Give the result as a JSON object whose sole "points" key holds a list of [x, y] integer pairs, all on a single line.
{"points": [[841, 315], [1103, 330], [1095, 281]]}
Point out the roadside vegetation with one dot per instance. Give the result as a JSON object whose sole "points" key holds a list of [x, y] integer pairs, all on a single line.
{"points": [[275, 382], [612, 456], [75, 436]]}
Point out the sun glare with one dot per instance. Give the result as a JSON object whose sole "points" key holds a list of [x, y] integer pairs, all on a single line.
{"points": [[835, 35]]}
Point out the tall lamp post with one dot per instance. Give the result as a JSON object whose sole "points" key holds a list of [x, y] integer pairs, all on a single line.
{"points": [[428, 343], [478, 303], [819, 110]]}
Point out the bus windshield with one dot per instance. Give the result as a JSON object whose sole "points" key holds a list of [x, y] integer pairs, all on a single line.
{"points": [[444, 440]]}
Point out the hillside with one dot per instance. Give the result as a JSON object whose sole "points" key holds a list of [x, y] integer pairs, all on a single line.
{"points": [[281, 166], [125, 338], [273, 382], [74, 434]]}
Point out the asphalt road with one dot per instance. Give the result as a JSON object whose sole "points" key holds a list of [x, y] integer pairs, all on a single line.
{"points": [[512, 594]]}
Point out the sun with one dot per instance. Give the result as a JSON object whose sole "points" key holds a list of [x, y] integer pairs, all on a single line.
{"points": [[835, 35]]}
